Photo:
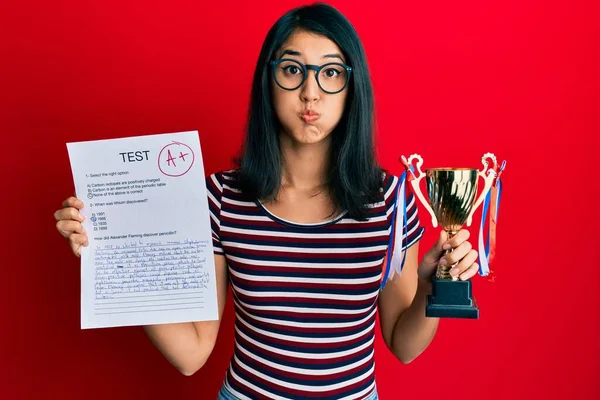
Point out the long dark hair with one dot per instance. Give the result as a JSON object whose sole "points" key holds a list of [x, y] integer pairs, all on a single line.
{"points": [[354, 178]]}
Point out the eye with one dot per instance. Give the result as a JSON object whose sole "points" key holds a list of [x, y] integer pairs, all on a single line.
{"points": [[331, 73], [292, 69]]}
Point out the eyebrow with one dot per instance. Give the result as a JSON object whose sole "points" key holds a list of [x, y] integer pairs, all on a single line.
{"points": [[299, 54]]}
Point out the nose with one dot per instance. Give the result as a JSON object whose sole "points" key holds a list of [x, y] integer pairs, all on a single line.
{"points": [[310, 88]]}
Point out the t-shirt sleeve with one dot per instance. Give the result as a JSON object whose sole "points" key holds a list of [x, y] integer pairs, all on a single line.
{"points": [[214, 191], [412, 230]]}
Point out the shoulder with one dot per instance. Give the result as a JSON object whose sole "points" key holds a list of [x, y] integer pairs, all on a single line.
{"points": [[217, 180], [389, 184], [390, 188]]}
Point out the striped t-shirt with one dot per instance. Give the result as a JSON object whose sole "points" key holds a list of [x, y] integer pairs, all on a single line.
{"points": [[305, 295]]}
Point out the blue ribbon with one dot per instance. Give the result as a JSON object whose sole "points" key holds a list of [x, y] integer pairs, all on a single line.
{"points": [[483, 255], [484, 268], [400, 191]]}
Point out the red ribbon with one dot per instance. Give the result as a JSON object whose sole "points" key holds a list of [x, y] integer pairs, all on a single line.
{"points": [[409, 173], [493, 217]]}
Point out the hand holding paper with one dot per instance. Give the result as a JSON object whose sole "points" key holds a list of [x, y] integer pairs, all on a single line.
{"points": [[150, 257]]}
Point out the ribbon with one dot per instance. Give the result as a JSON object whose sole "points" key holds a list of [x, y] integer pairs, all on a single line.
{"points": [[395, 263], [487, 252]]}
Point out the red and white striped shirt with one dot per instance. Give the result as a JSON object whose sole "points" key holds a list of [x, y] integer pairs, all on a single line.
{"points": [[305, 295]]}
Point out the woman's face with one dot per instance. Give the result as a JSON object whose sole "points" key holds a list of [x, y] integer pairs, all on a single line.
{"points": [[292, 106]]}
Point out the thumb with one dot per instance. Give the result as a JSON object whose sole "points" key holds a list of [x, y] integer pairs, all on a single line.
{"points": [[433, 255]]}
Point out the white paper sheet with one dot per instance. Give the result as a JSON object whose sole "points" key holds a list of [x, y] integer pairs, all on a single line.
{"points": [[150, 254]]}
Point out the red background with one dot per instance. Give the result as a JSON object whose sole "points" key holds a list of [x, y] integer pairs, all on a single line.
{"points": [[453, 80]]}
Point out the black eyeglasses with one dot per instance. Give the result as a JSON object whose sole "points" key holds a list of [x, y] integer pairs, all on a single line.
{"points": [[290, 74]]}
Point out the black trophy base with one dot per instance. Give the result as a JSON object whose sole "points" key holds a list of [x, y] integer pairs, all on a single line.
{"points": [[451, 299]]}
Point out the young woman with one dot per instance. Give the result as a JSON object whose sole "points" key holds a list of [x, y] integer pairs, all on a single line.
{"points": [[301, 230]]}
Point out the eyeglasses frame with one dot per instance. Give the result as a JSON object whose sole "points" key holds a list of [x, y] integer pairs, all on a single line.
{"points": [[308, 67]]}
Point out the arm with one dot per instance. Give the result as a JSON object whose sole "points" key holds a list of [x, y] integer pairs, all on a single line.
{"points": [[188, 345], [406, 330]]}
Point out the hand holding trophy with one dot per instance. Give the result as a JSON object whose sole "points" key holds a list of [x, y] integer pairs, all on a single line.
{"points": [[452, 203]]}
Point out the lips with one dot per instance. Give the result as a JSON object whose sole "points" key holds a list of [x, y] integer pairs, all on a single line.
{"points": [[309, 116]]}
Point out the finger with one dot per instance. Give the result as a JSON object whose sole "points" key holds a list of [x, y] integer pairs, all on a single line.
{"points": [[470, 272], [460, 237], [458, 253], [68, 227], [80, 239], [443, 238], [465, 263], [72, 202], [68, 213], [76, 241]]}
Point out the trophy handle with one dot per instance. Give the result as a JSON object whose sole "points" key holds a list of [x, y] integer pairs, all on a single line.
{"points": [[489, 175], [414, 181]]}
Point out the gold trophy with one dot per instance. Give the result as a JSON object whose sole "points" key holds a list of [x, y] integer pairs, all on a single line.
{"points": [[452, 203]]}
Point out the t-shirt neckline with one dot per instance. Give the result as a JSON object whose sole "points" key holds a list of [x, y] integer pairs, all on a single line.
{"points": [[299, 224]]}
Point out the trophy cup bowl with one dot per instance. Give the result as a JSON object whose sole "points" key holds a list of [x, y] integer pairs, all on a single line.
{"points": [[453, 199], [451, 193]]}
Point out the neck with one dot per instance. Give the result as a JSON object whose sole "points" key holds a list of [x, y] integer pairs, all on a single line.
{"points": [[305, 166]]}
